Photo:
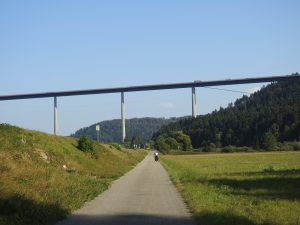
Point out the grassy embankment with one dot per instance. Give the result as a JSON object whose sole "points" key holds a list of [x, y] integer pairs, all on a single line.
{"points": [[34, 186], [239, 188]]}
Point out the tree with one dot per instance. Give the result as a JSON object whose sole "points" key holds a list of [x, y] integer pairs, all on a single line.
{"points": [[269, 141], [210, 147], [274, 109], [183, 139], [218, 139], [135, 142], [275, 130], [126, 142], [172, 143], [85, 144], [111, 129], [161, 144]]}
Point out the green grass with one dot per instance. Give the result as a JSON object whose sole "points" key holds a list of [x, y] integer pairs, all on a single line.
{"points": [[239, 188], [34, 186]]}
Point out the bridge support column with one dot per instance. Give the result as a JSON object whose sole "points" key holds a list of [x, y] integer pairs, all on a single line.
{"points": [[55, 116], [123, 117], [193, 102]]}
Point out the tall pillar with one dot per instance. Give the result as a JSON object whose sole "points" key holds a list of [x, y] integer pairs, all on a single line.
{"points": [[123, 117], [193, 102], [55, 116]]}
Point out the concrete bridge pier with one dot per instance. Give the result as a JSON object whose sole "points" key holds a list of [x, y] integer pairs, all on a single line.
{"points": [[123, 117], [55, 116], [193, 102]]}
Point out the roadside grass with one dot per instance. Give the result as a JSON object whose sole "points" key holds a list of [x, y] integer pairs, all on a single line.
{"points": [[36, 189], [239, 188]]}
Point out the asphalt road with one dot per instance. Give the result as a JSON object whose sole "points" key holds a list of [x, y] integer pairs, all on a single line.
{"points": [[143, 196]]}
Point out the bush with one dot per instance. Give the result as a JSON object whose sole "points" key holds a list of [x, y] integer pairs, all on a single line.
{"points": [[85, 144], [232, 148], [161, 145], [183, 139], [289, 146], [296, 146], [243, 149], [172, 143], [210, 148], [269, 141], [228, 149], [116, 145], [178, 141]]}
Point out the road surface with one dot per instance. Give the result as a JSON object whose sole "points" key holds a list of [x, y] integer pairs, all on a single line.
{"points": [[143, 196]]}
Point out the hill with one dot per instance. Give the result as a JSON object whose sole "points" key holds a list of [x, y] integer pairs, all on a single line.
{"points": [[260, 120], [43, 177], [110, 130]]}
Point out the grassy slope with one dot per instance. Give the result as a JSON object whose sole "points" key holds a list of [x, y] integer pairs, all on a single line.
{"points": [[245, 188], [38, 191]]}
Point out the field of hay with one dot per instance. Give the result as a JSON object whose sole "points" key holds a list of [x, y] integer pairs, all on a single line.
{"points": [[239, 188]]}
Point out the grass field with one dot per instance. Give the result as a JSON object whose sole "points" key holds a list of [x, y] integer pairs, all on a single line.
{"points": [[35, 189], [239, 188]]}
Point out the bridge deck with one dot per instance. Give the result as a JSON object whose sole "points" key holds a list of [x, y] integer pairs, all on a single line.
{"points": [[151, 87]]}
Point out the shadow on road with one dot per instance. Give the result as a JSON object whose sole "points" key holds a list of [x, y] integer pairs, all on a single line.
{"points": [[207, 218], [126, 220], [18, 210]]}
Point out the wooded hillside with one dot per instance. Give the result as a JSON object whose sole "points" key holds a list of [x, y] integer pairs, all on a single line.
{"points": [[262, 119], [110, 130]]}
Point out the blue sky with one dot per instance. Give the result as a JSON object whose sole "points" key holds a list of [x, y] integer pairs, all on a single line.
{"points": [[67, 45]]}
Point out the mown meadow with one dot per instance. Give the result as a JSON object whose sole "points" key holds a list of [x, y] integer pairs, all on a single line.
{"points": [[239, 188], [43, 178]]}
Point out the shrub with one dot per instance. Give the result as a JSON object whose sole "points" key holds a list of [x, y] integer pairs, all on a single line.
{"points": [[161, 144], [210, 148], [242, 149], [172, 143], [289, 146], [269, 141], [284, 146], [183, 139], [232, 148], [85, 144], [296, 146], [228, 149], [116, 145]]}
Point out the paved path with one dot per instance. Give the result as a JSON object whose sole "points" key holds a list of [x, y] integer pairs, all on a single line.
{"points": [[143, 196]]}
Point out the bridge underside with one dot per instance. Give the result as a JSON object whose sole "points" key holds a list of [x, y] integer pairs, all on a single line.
{"points": [[122, 90]]}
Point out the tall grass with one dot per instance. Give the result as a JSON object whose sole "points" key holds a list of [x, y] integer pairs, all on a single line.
{"points": [[43, 178], [247, 188]]}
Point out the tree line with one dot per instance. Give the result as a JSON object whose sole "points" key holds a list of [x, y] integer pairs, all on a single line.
{"points": [[262, 120], [138, 130]]}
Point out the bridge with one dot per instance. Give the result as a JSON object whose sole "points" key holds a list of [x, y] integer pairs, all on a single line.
{"points": [[122, 90]]}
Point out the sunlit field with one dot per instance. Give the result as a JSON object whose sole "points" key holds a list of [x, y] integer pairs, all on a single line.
{"points": [[240, 188]]}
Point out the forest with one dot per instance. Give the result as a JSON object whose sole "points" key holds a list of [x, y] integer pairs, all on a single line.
{"points": [[138, 130], [262, 120]]}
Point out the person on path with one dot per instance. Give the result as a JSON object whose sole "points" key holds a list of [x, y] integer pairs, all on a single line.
{"points": [[156, 156]]}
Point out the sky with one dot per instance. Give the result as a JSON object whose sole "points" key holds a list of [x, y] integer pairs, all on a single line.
{"points": [[73, 45]]}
